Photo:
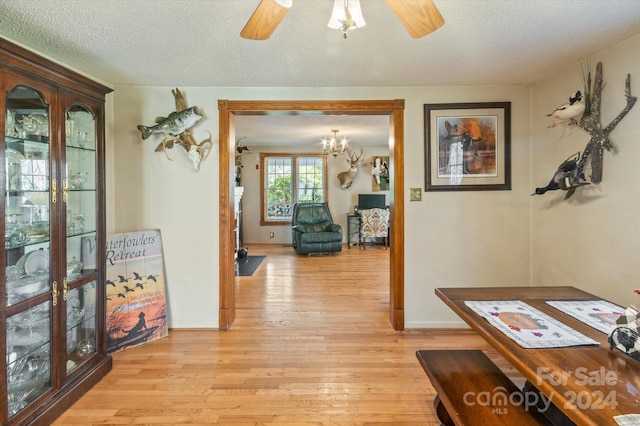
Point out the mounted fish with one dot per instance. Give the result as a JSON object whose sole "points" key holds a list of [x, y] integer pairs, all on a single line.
{"points": [[174, 124], [176, 129]]}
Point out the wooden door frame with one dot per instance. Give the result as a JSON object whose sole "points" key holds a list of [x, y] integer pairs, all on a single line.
{"points": [[229, 109]]}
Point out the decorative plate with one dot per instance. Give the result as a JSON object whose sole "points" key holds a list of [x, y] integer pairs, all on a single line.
{"points": [[37, 262]]}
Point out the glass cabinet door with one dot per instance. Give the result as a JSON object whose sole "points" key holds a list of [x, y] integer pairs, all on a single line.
{"points": [[81, 324], [27, 246], [28, 356], [80, 198]]}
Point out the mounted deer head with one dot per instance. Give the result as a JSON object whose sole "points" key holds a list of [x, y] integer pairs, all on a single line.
{"points": [[346, 177]]}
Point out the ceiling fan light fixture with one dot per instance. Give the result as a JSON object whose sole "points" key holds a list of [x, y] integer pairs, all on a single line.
{"points": [[419, 17], [346, 15], [285, 3]]}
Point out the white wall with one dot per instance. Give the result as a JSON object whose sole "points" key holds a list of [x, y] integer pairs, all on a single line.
{"points": [[592, 240], [451, 239], [341, 201]]}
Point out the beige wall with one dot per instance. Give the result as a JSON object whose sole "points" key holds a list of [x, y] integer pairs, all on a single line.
{"points": [[591, 241], [452, 239], [496, 238], [491, 238], [341, 201]]}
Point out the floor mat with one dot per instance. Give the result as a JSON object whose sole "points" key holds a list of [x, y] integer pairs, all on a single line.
{"points": [[247, 266]]}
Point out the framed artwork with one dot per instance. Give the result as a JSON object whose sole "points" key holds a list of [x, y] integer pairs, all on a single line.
{"points": [[467, 146], [380, 173]]}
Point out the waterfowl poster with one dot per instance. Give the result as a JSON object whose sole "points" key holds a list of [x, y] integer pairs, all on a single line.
{"points": [[136, 294]]}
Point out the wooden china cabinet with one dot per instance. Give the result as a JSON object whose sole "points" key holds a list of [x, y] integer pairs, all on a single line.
{"points": [[52, 316]]}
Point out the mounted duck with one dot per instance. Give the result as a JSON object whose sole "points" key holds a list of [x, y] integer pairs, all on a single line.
{"points": [[567, 177], [569, 111]]}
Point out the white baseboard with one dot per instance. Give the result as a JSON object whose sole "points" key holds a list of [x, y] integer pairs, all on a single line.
{"points": [[415, 325], [194, 324], [421, 325]]}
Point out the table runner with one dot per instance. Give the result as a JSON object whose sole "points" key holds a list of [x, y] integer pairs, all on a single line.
{"points": [[528, 326], [599, 314]]}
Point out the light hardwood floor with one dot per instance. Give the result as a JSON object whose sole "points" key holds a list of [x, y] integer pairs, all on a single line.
{"points": [[311, 345]]}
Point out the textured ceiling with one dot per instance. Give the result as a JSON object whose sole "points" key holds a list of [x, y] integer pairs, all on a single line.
{"points": [[191, 43], [197, 42], [360, 130]]}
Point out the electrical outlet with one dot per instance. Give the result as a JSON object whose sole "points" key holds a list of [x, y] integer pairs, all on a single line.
{"points": [[271, 235]]}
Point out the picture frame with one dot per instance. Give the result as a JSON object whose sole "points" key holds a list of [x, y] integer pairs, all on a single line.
{"points": [[380, 173], [467, 146]]}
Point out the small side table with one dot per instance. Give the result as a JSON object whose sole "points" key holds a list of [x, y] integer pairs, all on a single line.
{"points": [[353, 229]]}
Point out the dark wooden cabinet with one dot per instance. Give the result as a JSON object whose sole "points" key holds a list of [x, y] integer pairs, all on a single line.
{"points": [[52, 316]]}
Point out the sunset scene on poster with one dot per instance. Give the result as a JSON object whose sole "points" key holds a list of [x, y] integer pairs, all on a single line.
{"points": [[136, 295]]}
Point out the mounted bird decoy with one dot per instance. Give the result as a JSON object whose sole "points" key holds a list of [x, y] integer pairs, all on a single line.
{"points": [[241, 148], [571, 173], [570, 111], [567, 177], [419, 17]]}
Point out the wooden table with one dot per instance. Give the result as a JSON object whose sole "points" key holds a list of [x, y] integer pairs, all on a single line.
{"points": [[589, 384]]}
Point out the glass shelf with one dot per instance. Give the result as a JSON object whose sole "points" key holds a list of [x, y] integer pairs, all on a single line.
{"points": [[33, 140], [28, 355], [81, 324]]}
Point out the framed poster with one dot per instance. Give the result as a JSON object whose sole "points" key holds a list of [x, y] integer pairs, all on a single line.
{"points": [[136, 294], [380, 173], [467, 146]]}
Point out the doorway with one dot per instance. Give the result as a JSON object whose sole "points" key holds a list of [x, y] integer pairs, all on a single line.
{"points": [[228, 110]]}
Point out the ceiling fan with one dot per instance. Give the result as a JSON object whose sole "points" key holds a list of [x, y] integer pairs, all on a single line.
{"points": [[419, 17]]}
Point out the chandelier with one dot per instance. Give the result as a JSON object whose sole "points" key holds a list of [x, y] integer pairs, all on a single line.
{"points": [[346, 15], [332, 145]]}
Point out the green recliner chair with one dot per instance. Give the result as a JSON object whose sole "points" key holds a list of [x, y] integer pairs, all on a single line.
{"points": [[313, 229]]}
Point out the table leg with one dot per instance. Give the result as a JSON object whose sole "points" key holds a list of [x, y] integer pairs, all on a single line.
{"points": [[553, 413], [441, 412]]}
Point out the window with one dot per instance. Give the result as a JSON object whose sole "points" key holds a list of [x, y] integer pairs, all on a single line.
{"points": [[288, 179]]}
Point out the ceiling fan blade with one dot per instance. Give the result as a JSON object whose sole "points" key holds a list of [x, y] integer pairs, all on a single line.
{"points": [[418, 17], [265, 20]]}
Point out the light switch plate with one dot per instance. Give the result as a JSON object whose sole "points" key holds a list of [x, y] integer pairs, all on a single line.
{"points": [[415, 194]]}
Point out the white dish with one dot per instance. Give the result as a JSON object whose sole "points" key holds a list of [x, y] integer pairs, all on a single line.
{"points": [[27, 285], [37, 237], [20, 263], [26, 337], [37, 262]]}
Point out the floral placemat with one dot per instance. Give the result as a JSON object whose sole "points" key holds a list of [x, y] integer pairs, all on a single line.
{"points": [[628, 419], [528, 326], [599, 314]]}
